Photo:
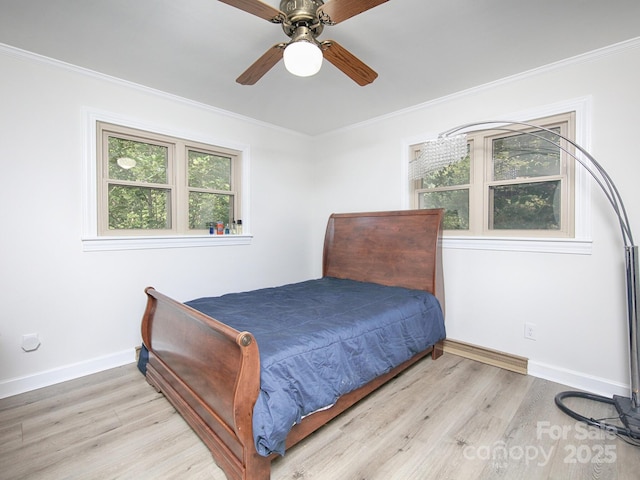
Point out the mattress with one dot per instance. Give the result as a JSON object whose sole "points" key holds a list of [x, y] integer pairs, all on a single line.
{"points": [[322, 338]]}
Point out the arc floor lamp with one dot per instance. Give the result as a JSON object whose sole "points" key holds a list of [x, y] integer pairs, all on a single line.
{"points": [[450, 147]]}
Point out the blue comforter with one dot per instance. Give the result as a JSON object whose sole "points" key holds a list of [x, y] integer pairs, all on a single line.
{"points": [[323, 338]]}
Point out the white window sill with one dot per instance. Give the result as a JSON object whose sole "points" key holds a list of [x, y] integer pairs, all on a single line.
{"points": [[96, 244], [538, 245]]}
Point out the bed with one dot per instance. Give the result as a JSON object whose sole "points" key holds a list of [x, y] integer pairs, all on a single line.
{"points": [[231, 365]]}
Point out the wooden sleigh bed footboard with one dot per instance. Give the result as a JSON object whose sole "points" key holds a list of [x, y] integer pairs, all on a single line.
{"points": [[210, 372]]}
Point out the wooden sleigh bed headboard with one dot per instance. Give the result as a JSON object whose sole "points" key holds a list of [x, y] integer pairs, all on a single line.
{"points": [[211, 372], [400, 248]]}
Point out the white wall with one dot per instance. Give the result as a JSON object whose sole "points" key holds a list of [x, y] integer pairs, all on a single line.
{"points": [[86, 306], [577, 301]]}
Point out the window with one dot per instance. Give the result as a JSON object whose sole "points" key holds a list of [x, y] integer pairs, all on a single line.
{"points": [[151, 184], [510, 184]]}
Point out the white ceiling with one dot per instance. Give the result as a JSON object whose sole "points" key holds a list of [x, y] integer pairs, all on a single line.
{"points": [[421, 49]]}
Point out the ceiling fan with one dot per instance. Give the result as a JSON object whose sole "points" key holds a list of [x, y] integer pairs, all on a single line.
{"points": [[303, 21]]}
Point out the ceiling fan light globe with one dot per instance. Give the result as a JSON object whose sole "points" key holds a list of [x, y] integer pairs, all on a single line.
{"points": [[302, 58]]}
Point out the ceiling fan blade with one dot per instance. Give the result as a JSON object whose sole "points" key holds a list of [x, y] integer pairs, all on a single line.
{"points": [[259, 9], [348, 63], [336, 11], [261, 66]]}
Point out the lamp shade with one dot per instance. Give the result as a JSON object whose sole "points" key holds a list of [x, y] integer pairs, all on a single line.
{"points": [[302, 58]]}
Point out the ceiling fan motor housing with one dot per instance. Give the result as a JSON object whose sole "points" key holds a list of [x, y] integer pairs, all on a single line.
{"points": [[301, 13], [303, 21]]}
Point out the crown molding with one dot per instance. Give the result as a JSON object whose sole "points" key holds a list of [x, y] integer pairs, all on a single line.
{"points": [[582, 58], [37, 58]]}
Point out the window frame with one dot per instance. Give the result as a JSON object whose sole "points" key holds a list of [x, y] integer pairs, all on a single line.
{"points": [[94, 235], [235, 158], [481, 181], [579, 242]]}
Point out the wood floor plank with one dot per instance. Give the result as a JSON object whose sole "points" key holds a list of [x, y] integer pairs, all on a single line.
{"points": [[10, 436], [472, 429], [452, 418], [507, 458], [66, 450], [378, 435], [503, 402], [627, 460]]}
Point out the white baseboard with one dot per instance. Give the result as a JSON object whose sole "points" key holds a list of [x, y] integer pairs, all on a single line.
{"points": [[571, 378], [15, 386], [578, 380]]}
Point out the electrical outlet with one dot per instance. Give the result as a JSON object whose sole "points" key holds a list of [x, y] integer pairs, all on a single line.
{"points": [[530, 331]]}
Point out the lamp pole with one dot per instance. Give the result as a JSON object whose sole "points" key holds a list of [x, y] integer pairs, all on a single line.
{"points": [[628, 408]]}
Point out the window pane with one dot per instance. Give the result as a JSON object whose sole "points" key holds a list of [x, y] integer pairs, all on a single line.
{"points": [[526, 156], [205, 208], [455, 203], [530, 206], [137, 161], [209, 171], [455, 174], [139, 208]]}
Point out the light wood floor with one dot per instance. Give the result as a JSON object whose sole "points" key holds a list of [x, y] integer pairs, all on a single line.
{"points": [[446, 419]]}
